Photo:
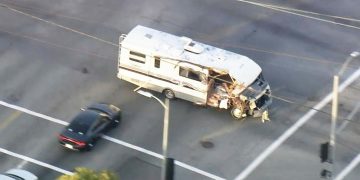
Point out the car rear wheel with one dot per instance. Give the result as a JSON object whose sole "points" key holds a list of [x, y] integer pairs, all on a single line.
{"points": [[90, 145]]}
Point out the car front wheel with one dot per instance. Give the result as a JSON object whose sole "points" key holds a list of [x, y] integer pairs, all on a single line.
{"points": [[116, 123]]}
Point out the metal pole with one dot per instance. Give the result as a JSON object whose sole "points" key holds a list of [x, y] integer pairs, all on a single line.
{"points": [[162, 104], [166, 127], [347, 61], [334, 110], [165, 138], [334, 114], [167, 168]]}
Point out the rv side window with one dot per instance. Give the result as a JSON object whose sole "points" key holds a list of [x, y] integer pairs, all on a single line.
{"points": [[137, 57], [157, 62], [194, 76], [183, 72], [188, 73]]}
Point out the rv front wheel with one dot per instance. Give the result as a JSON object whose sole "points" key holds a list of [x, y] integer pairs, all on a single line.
{"points": [[169, 94], [237, 113]]}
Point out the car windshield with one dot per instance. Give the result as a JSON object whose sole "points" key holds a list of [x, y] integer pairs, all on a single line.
{"points": [[82, 123]]}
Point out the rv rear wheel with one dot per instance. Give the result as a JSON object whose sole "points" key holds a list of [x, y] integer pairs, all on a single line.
{"points": [[169, 94], [237, 112]]}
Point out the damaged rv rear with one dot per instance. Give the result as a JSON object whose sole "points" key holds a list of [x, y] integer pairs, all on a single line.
{"points": [[182, 68]]}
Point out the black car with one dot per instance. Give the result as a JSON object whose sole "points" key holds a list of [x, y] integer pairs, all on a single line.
{"points": [[88, 126]]}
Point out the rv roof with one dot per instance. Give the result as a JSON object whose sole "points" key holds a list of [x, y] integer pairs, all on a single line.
{"points": [[157, 43]]}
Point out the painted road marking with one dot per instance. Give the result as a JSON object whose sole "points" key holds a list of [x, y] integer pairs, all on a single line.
{"points": [[25, 158], [22, 164], [245, 173], [349, 117], [117, 141], [181, 164], [114, 140], [348, 168], [27, 111], [9, 119]]}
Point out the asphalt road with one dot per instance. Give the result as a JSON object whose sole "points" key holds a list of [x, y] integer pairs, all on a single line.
{"points": [[56, 72]]}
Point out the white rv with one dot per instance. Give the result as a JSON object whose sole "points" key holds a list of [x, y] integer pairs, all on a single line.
{"points": [[182, 68]]}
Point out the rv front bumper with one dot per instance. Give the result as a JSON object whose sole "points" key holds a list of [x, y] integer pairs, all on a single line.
{"points": [[262, 103]]}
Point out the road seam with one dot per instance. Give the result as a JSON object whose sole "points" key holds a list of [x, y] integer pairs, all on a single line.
{"points": [[9, 119]]}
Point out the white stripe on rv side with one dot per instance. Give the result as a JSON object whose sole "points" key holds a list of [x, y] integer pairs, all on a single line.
{"points": [[28, 159], [245, 173], [111, 139]]}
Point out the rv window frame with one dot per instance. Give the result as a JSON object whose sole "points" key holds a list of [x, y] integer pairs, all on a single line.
{"points": [[190, 72], [137, 57], [157, 62]]}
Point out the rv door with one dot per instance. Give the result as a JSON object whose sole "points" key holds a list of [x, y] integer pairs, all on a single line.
{"points": [[193, 83]]}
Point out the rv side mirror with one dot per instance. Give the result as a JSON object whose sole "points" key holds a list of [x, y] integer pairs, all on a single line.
{"points": [[121, 38]]}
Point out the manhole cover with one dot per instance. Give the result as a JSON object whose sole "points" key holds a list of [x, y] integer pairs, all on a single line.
{"points": [[84, 70], [207, 144]]}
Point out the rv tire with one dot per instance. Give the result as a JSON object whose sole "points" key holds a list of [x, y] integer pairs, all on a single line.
{"points": [[237, 113], [169, 94]]}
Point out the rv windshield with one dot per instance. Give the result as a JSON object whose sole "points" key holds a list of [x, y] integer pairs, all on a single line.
{"points": [[256, 87]]}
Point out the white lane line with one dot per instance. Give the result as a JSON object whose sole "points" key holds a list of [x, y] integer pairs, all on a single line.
{"points": [[350, 116], [63, 171], [22, 164], [33, 113], [191, 168], [348, 168], [133, 146], [111, 139], [245, 173], [181, 164]]}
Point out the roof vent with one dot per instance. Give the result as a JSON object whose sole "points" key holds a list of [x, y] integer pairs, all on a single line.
{"points": [[220, 58], [149, 36], [191, 46]]}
